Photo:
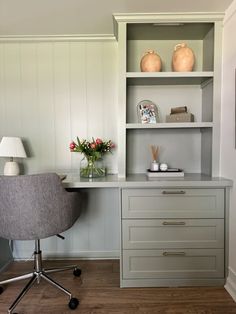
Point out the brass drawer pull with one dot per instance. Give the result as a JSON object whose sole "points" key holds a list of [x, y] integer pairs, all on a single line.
{"points": [[174, 223], [173, 192], [174, 254]]}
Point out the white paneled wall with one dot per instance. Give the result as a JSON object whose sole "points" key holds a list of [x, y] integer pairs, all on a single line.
{"points": [[94, 235], [51, 92]]}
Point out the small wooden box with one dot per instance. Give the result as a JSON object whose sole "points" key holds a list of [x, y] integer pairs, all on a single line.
{"points": [[180, 117]]}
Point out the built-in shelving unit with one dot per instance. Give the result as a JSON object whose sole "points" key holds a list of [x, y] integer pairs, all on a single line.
{"points": [[193, 146]]}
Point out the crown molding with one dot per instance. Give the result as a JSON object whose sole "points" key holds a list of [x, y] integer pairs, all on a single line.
{"points": [[168, 17]]}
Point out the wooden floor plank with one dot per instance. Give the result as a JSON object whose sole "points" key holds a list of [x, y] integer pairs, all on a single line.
{"points": [[99, 293]]}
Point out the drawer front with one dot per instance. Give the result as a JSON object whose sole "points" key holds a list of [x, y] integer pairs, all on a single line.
{"points": [[173, 233], [172, 203], [184, 263]]}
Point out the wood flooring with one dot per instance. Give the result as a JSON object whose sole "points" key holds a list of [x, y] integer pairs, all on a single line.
{"points": [[99, 293]]}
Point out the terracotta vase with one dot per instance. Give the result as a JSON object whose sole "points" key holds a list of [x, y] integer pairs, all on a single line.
{"points": [[150, 62], [183, 58]]}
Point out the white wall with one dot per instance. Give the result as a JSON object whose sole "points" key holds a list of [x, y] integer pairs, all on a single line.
{"points": [[53, 17], [51, 92], [228, 148]]}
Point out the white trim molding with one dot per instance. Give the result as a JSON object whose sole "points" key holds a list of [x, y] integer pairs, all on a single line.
{"points": [[168, 17], [230, 285], [50, 255], [57, 38]]}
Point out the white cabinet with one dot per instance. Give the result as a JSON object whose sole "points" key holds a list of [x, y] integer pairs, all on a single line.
{"points": [[192, 146]]}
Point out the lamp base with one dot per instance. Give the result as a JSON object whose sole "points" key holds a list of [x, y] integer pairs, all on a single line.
{"points": [[11, 168]]}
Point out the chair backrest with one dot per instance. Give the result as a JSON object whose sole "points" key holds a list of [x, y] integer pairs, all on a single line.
{"points": [[36, 206]]}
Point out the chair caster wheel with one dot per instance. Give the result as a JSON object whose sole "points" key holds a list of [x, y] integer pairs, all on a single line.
{"points": [[73, 303], [1, 290], [77, 272]]}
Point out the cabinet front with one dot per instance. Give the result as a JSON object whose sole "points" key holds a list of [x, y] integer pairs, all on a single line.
{"points": [[172, 263], [172, 203], [172, 233]]}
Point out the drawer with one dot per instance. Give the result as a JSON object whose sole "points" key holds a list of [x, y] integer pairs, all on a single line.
{"points": [[172, 233], [172, 203], [184, 263]]}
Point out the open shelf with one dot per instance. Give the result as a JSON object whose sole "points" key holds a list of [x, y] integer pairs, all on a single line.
{"points": [[169, 125], [193, 146], [168, 78]]}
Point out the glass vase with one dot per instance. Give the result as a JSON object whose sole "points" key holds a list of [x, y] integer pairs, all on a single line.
{"points": [[92, 168]]}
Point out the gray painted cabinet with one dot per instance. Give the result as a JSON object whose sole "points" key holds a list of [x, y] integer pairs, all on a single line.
{"points": [[173, 237], [174, 232]]}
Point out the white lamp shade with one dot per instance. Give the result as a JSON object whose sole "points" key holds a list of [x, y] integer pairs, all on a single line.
{"points": [[12, 147]]}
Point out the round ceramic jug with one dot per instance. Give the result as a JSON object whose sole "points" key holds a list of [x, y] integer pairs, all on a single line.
{"points": [[183, 58], [150, 62]]}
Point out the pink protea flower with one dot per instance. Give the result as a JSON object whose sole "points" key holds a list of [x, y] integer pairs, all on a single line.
{"points": [[93, 145]]}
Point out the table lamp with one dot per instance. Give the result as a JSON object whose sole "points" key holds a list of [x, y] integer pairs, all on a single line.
{"points": [[12, 147]]}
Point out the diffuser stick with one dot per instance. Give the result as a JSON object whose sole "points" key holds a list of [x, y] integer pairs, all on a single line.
{"points": [[155, 152]]}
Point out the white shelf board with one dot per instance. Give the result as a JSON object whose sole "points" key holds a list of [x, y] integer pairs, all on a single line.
{"points": [[170, 78], [171, 125]]}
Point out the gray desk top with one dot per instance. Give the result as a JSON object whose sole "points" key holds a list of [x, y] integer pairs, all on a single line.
{"points": [[73, 180]]}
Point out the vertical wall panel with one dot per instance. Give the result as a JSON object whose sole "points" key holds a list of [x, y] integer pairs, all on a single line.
{"points": [[94, 91], [29, 105], [78, 96], [46, 106], [12, 86], [62, 104]]}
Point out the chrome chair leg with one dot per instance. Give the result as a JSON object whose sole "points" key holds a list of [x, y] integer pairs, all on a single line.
{"points": [[38, 274], [58, 269], [55, 284], [73, 302], [23, 292], [3, 282]]}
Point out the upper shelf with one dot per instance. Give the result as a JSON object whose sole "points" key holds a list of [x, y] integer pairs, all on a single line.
{"points": [[168, 78]]}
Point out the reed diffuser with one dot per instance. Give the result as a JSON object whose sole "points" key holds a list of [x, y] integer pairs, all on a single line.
{"points": [[154, 153]]}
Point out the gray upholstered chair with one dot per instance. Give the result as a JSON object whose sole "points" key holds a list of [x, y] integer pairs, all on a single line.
{"points": [[33, 207]]}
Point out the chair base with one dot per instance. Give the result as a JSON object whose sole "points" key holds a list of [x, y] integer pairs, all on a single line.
{"points": [[38, 274]]}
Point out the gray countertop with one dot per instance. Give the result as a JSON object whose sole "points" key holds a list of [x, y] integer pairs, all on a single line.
{"points": [[73, 180]]}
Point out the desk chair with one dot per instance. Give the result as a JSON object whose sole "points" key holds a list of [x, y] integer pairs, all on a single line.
{"points": [[33, 207]]}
